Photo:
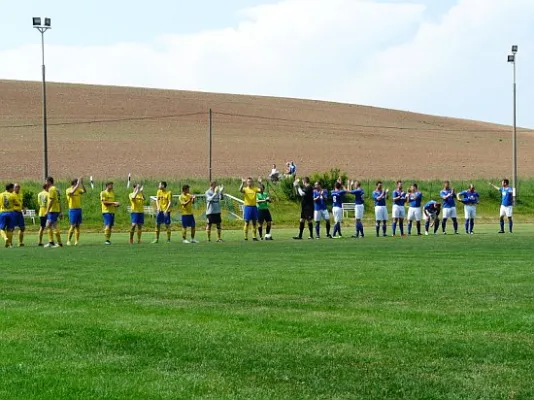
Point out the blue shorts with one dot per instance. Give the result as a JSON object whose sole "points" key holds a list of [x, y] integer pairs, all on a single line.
{"points": [[75, 216], [7, 221], [137, 218], [52, 216], [163, 218], [188, 221], [42, 221], [18, 220], [109, 219], [250, 213]]}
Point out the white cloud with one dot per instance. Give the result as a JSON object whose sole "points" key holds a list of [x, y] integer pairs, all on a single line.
{"points": [[385, 54]]}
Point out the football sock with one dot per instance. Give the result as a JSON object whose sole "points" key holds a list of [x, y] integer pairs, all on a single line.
{"points": [[427, 225], [436, 227], [107, 233], [132, 233], [219, 233], [510, 224], [158, 229], [384, 228], [246, 231], [466, 226], [318, 229], [71, 232], [310, 228], [471, 225], [10, 237], [268, 229], [50, 235], [377, 228], [58, 235], [401, 226], [260, 231], [168, 233], [77, 234], [418, 227], [21, 237], [139, 232], [455, 225], [410, 228], [502, 224], [327, 228], [394, 228], [301, 228], [444, 225]]}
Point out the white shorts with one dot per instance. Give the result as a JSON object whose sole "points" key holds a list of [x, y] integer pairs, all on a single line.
{"points": [[470, 212], [398, 211], [321, 215], [414, 214], [358, 211], [449, 213], [337, 212], [507, 211], [431, 217], [381, 213]]}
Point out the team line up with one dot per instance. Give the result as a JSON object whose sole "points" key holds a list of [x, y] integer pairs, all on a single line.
{"points": [[314, 208]]}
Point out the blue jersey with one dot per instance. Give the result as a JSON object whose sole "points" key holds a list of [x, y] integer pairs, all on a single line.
{"points": [[507, 194], [449, 202], [415, 199], [320, 203], [358, 196], [337, 198], [402, 200], [469, 198], [430, 206], [376, 195]]}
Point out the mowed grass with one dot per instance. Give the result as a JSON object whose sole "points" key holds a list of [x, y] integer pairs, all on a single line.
{"points": [[447, 317]]}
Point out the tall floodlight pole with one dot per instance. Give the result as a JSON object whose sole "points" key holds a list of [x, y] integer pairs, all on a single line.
{"points": [[512, 59], [43, 27]]}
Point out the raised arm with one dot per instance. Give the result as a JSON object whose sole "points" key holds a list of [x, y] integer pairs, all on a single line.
{"points": [[242, 187]]}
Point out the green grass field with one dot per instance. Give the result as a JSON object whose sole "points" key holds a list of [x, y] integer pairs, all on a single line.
{"points": [[446, 317]]}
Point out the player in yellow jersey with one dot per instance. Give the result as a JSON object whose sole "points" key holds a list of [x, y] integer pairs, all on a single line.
{"points": [[163, 211], [188, 219], [18, 216], [42, 200], [53, 214], [109, 205], [250, 213], [8, 201], [74, 200], [137, 203]]}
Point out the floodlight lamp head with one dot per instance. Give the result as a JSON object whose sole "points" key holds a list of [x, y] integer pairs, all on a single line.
{"points": [[514, 49], [48, 22], [36, 22], [511, 58]]}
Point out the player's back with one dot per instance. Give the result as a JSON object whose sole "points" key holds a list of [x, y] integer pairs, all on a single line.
{"points": [[337, 198], [7, 202]]}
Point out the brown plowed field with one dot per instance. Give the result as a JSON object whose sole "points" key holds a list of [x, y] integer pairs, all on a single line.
{"points": [[110, 131]]}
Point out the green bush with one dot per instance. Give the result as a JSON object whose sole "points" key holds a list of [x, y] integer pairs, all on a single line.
{"points": [[29, 200]]}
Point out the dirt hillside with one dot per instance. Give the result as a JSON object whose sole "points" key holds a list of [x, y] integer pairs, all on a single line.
{"points": [[109, 131]]}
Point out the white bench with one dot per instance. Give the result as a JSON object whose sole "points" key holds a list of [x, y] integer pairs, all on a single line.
{"points": [[148, 210], [30, 214], [348, 208]]}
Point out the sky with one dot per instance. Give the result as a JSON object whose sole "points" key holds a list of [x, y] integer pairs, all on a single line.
{"points": [[441, 57]]}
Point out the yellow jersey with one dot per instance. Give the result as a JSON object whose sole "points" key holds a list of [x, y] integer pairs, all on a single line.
{"points": [[7, 202], [42, 199], [107, 196], [250, 196], [164, 199], [18, 204], [74, 198], [53, 197], [137, 202], [186, 209]]}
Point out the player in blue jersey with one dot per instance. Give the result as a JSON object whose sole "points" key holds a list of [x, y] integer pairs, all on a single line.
{"points": [[470, 200], [398, 211], [320, 212], [449, 207], [337, 207], [381, 212], [432, 210], [415, 197], [358, 194], [507, 204]]}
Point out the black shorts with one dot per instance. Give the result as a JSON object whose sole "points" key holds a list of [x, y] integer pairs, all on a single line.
{"points": [[264, 216], [307, 214], [214, 219]]}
